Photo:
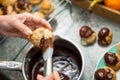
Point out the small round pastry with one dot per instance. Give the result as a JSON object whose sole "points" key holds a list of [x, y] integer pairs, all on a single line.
{"points": [[112, 60], [5, 3], [39, 34], [22, 6], [88, 35], [46, 7], [6, 10], [105, 73], [105, 36], [13, 13], [39, 14], [34, 2]]}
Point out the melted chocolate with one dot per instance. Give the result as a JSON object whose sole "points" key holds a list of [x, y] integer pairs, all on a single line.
{"points": [[23, 5], [103, 74], [86, 32], [103, 33], [110, 58], [66, 61]]}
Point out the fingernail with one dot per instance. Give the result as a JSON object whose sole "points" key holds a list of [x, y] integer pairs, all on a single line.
{"points": [[29, 32]]}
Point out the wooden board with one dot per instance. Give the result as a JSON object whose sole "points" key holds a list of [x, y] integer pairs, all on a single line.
{"points": [[99, 9]]}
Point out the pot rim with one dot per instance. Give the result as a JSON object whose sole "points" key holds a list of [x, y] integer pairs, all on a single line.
{"points": [[82, 58]]}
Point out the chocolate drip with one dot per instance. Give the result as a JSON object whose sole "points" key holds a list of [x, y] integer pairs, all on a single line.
{"points": [[23, 5], [103, 33], [110, 58], [86, 32], [103, 74]]}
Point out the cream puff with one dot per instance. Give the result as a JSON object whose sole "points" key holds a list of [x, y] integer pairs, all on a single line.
{"points": [[7, 2], [118, 49], [22, 6], [39, 34], [39, 14], [87, 34], [105, 36], [47, 7], [112, 60], [6, 10], [105, 73], [34, 2]]}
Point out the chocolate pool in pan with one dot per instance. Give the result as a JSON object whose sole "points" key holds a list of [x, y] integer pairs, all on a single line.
{"points": [[66, 60]]}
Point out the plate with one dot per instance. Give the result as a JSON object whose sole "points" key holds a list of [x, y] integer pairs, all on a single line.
{"points": [[101, 62]]}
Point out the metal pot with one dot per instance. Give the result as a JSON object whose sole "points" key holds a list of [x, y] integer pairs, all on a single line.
{"points": [[33, 55]]}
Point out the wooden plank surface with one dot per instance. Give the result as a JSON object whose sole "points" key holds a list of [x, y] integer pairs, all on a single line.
{"points": [[99, 9]]}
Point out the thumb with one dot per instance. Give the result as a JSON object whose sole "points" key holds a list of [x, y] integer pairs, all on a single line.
{"points": [[56, 75], [39, 77]]}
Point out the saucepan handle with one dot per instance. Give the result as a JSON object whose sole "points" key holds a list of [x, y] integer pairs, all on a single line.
{"points": [[11, 65]]}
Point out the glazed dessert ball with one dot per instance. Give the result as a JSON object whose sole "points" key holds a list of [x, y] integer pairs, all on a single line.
{"points": [[6, 10], [39, 34], [88, 35], [34, 2], [39, 14], [105, 73], [112, 60], [105, 36], [22, 6], [46, 7]]}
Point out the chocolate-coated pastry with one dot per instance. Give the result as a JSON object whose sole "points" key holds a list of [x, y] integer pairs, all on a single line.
{"points": [[34, 2], [112, 60], [6, 10], [88, 35], [47, 7], [105, 36], [105, 73], [39, 34], [39, 14], [22, 6]]}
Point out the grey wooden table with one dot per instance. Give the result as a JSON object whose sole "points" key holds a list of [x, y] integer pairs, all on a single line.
{"points": [[68, 25]]}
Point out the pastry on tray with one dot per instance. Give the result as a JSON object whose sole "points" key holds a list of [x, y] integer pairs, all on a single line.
{"points": [[39, 14], [105, 73], [105, 36], [47, 7], [7, 2], [6, 10], [22, 6], [34, 2], [39, 34], [112, 60], [88, 35]]}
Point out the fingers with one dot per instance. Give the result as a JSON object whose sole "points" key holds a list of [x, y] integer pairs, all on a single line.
{"points": [[38, 21], [20, 26], [56, 75], [39, 77]]}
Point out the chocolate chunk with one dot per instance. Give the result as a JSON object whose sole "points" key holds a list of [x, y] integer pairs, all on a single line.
{"points": [[22, 5]]}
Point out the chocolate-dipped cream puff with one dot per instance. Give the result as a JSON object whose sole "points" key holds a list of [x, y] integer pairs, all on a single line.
{"points": [[112, 60], [105, 36], [22, 6], [39, 34], [6, 10], [105, 73], [88, 35], [34, 2], [46, 7]]}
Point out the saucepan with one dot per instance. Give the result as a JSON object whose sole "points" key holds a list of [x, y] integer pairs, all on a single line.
{"points": [[67, 60]]}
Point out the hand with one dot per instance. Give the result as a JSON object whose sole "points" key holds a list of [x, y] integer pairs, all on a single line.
{"points": [[21, 25], [54, 76]]}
